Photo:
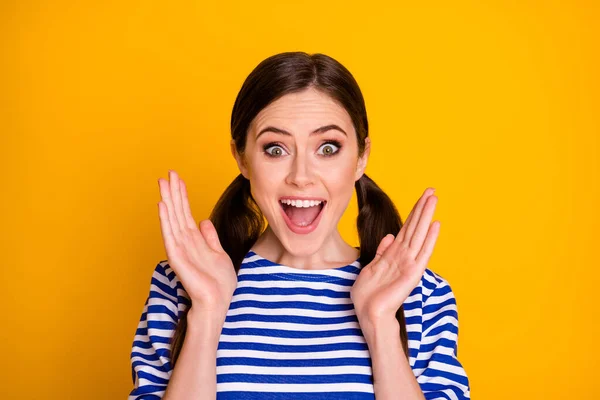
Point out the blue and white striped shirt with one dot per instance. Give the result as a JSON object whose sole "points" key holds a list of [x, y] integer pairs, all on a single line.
{"points": [[293, 334]]}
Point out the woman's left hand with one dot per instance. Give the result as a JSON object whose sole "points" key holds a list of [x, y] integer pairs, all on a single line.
{"points": [[385, 283]]}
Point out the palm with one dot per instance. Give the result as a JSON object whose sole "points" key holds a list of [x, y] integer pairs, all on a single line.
{"points": [[196, 255], [203, 282], [384, 284]]}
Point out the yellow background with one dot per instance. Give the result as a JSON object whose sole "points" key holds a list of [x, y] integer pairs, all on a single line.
{"points": [[495, 104]]}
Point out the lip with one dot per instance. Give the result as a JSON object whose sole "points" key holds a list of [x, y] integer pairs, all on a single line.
{"points": [[302, 230]]}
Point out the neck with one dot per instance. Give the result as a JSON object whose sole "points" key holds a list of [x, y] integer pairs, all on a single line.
{"points": [[333, 253]]}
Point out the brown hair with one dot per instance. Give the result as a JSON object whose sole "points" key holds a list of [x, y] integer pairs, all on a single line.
{"points": [[236, 216]]}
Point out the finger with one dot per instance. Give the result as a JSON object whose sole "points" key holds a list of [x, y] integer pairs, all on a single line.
{"points": [[191, 223], [176, 195], [210, 235], [403, 237], [165, 226], [427, 249], [404, 226], [169, 242], [383, 246], [410, 227], [165, 194], [416, 241]]}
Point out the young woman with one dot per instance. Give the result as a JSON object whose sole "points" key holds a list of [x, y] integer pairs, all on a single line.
{"points": [[290, 310]]}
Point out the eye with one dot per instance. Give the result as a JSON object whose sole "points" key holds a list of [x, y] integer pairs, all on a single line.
{"points": [[277, 150], [330, 148]]}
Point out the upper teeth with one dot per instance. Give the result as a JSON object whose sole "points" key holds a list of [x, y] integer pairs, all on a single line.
{"points": [[301, 203]]}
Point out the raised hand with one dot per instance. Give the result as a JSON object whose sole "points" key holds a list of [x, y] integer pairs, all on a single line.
{"points": [[196, 255], [385, 283]]}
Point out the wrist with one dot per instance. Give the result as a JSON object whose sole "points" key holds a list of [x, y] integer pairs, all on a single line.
{"points": [[207, 324], [379, 330]]}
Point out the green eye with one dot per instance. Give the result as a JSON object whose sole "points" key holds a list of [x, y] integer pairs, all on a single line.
{"points": [[329, 149], [275, 152]]}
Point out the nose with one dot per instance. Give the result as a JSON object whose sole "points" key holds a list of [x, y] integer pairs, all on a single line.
{"points": [[301, 173]]}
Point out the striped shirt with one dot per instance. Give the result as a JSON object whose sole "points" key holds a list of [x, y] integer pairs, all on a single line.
{"points": [[293, 334]]}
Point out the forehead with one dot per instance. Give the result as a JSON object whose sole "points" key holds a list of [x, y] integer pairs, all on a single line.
{"points": [[303, 111]]}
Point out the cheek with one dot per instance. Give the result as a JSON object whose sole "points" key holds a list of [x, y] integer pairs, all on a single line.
{"points": [[264, 182], [340, 181], [343, 172]]}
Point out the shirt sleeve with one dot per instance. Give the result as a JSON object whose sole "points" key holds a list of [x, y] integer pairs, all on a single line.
{"points": [[438, 371], [150, 353]]}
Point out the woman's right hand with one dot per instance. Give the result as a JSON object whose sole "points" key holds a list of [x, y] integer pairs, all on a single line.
{"points": [[196, 255]]}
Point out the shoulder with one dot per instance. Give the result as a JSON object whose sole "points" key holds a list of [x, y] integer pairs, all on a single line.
{"points": [[439, 312], [164, 273], [434, 287], [432, 298], [166, 282]]}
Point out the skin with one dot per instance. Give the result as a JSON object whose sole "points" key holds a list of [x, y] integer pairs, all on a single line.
{"points": [[383, 285], [302, 169]]}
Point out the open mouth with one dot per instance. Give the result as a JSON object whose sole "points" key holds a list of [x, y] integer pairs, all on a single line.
{"points": [[302, 216]]}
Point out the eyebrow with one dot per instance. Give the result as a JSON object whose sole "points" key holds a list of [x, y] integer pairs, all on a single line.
{"points": [[322, 129]]}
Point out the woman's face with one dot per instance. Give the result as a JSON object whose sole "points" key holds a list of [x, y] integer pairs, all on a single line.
{"points": [[302, 161]]}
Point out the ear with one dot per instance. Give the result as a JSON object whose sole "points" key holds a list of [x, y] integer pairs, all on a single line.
{"points": [[239, 159], [362, 161]]}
